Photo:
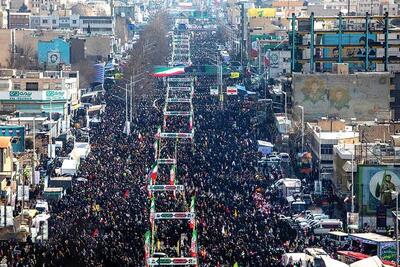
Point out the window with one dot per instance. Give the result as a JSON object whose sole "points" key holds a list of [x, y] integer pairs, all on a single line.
{"points": [[54, 21], [32, 86], [45, 21], [17, 86], [326, 149], [74, 21]]}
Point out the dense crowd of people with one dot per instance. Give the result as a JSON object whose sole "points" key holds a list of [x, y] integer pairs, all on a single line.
{"points": [[102, 222]]}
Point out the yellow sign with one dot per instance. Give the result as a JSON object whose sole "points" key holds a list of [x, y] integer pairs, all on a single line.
{"points": [[118, 76], [261, 12], [235, 75]]}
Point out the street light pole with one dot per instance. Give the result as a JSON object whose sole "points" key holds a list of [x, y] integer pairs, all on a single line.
{"points": [[352, 179], [397, 229], [396, 193], [286, 118], [127, 124], [131, 100], [302, 128]]}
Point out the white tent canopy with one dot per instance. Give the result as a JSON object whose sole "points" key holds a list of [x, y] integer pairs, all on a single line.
{"points": [[69, 166], [329, 262], [368, 262]]}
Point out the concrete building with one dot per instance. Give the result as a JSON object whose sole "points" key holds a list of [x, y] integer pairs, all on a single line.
{"points": [[289, 7], [39, 93], [323, 136], [94, 46], [15, 5], [6, 164], [95, 25], [45, 7], [19, 20]]}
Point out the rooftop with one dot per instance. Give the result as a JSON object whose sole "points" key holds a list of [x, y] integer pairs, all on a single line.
{"points": [[372, 237]]}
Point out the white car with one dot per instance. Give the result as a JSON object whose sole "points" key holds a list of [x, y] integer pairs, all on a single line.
{"points": [[42, 206]]}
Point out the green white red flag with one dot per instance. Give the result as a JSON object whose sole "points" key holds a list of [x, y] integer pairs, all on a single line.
{"points": [[172, 175]]}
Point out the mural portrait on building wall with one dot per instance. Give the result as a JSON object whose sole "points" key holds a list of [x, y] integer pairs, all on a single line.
{"points": [[381, 186], [314, 89], [339, 98]]}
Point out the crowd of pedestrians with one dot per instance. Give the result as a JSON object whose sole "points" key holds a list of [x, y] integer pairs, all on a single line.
{"points": [[102, 221]]}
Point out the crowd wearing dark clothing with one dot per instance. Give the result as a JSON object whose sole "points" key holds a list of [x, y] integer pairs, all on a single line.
{"points": [[102, 221]]}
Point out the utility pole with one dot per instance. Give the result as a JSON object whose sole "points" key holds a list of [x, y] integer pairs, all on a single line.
{"points": [[220, 82], [127, 123], [34, 150], [131, 100]]}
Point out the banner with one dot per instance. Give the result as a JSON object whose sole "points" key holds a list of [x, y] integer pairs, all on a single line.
{"points": [[214, 90], [261, 12], [235, 75], [374, 188], [352, 220], [272, 59], [231, 90]]}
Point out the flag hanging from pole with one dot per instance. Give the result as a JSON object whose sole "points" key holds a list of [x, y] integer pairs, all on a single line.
{"points": [[147, 246], [191, 122], [156, 149], [158, 134], [152, 211], [172, 174], [153, 173], [192, 221], [165, 122], [193, 245]]}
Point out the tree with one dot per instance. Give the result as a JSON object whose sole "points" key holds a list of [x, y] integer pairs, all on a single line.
{"points": [[86, 72], [23, 58]]}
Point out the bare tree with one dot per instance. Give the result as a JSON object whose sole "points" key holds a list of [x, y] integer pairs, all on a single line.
{"points": [[86, 72], [23, 58]]}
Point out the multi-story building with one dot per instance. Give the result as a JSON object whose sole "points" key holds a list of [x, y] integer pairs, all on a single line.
{"points": [[289, 7], [45, 7], [19, 20], [25, 93], [17, 4], [340, 6], [324, 135], [95, 25]]}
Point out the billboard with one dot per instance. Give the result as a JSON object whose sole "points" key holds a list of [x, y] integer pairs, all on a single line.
{"points": [[356, 39], [261, 12], [343, 95], [374, 186], [16, 95]]}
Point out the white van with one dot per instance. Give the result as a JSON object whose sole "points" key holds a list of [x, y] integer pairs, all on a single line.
{"points": [[42, 206], [326, 226], [338, 237]]}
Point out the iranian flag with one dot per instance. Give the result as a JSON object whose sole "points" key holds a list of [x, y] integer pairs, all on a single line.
{"points": [[154, 172], [192, 221], [191, 122], [231, 90], [147, 245], [158, 134], [165, 122], [168, 71], [193, 245], [152, 211], [172, 175], [156, 149]]}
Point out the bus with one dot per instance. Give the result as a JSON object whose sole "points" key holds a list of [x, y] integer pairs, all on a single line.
{"points": [[338, 238]]}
